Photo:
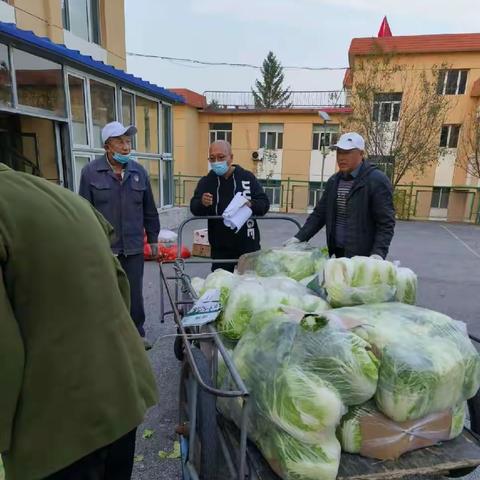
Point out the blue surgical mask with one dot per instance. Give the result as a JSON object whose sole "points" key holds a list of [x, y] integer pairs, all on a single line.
{"points": [[122, 158], [220, 168]]}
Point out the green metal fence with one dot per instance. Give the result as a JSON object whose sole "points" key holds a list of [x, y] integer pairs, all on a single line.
{"points": [[411, 201]]}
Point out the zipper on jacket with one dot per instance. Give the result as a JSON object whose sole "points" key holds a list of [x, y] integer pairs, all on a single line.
{"points": [[218, 193]]}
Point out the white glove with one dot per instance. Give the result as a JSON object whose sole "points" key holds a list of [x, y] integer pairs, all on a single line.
{"points": [[291, 241], [154, 247], [376, 257]]}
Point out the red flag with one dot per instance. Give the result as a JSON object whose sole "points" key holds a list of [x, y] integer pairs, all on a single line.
{"points": [[384, 29]]}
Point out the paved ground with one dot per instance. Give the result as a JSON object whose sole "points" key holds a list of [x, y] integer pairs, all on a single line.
{"points": [[446, 258]]}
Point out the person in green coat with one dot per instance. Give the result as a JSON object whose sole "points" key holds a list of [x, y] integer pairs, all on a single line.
{"points": [[75, 381]]}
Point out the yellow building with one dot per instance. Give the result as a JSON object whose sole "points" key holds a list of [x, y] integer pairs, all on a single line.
{"points": [[284, 147], [444, 190], [62, 78]]}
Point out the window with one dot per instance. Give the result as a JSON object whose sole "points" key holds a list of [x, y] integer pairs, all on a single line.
{"points": [[385, 163], [449, 136], [271, 136], [76, 89], [81, 17], [386, 107], [221, 131], [167, 128], [452, 82], [5, 77], [167, 176], [103, 109], [39, 83], [440, 197], [146, 118], [79, 162], [273, 190], [128, 113], [321, 138], [314, 193]]}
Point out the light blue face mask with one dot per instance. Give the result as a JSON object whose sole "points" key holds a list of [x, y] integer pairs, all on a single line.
{"points": [[120, 158], [220, 168]]}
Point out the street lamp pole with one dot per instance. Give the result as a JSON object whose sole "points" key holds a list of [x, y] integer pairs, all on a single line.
{"points": [[326, 118]]}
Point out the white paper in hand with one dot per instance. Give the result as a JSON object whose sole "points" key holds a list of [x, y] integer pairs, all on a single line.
{"points": [[238, 220], [238, 201], [205, 310]]}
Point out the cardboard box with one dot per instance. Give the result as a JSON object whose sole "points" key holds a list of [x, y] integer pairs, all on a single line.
{"points": [[384, 439], [200, 237], [199, 250]]}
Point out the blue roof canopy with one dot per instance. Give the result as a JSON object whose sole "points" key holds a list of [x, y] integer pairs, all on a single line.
{"points": [[65, 55]]}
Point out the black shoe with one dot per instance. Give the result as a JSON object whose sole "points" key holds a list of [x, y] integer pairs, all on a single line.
{"points": [[147, 344]]}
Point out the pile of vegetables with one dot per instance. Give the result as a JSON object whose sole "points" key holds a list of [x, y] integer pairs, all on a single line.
{"points": [[327, 345], [300, 389]]}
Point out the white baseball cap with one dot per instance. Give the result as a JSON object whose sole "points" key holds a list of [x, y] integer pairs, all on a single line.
{"points": [[350, 141], [116, 129]]}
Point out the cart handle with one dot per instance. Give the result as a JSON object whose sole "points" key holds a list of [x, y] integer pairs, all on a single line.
{"points": [[242, 389], [219, 217]]}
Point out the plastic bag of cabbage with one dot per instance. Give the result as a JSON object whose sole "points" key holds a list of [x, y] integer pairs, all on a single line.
{"points": [[249, 294], [367, 431], [301, 375], [427, 362], [297, 262], [365, 280]]}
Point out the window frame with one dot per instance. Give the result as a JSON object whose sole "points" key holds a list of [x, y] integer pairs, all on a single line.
{"points": [[318, 130], [448, 137], [94, 34], [315, 188], [442, 193], [215, 132], [381, 100], [29, 110], [276, 189], [443, 80], [277, 131]]}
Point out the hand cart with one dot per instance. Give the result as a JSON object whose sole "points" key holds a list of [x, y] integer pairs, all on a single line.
{"points": [[213, 448]]}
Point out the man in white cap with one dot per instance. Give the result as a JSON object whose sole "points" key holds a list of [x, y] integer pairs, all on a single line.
{"points": [[356, 206], [119, 188]]}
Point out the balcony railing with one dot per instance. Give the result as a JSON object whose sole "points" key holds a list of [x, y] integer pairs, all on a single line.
{"points": [[298, 99]]}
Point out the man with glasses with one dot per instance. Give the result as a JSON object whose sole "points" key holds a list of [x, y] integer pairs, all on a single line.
{"points": [[356, 206], [119, 188], [213, 194]]}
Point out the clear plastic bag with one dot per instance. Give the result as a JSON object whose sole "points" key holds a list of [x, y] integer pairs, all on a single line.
{"points": [[427, 362], [297, 261], [252, 294], [359, 280], [300, 375]]}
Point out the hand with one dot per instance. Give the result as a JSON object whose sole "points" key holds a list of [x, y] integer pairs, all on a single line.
{"points": [[207, 199], [154, 247], [291, 241], [376, 257]]}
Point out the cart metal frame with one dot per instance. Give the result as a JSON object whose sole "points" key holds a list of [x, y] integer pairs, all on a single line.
{"points": [[206, 334]]}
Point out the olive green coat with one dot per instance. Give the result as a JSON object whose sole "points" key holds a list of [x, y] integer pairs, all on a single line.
{"points": [[74, 375]]}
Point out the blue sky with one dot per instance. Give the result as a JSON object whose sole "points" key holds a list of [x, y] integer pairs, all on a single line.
{"points": [[299, 32]]}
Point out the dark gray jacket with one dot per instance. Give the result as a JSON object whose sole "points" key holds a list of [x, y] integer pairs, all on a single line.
{"points": [[370, 214], [128, 205]]}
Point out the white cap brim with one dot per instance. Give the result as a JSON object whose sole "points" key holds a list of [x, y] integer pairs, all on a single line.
{"points": [[118, 132]]}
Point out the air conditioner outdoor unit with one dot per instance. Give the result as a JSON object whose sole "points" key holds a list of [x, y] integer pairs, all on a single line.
{"points": [[257, 155]]}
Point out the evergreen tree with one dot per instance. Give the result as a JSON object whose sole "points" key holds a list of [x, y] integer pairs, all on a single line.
{"points": [[270, 92]]}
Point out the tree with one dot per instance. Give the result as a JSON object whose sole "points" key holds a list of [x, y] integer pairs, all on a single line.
{"points": [[470, 143], [270, 92], [399, 111]]}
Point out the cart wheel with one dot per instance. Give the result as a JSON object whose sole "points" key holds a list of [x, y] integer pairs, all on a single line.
{"points": [[474, 411], [206, 446], [178, 347]]}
